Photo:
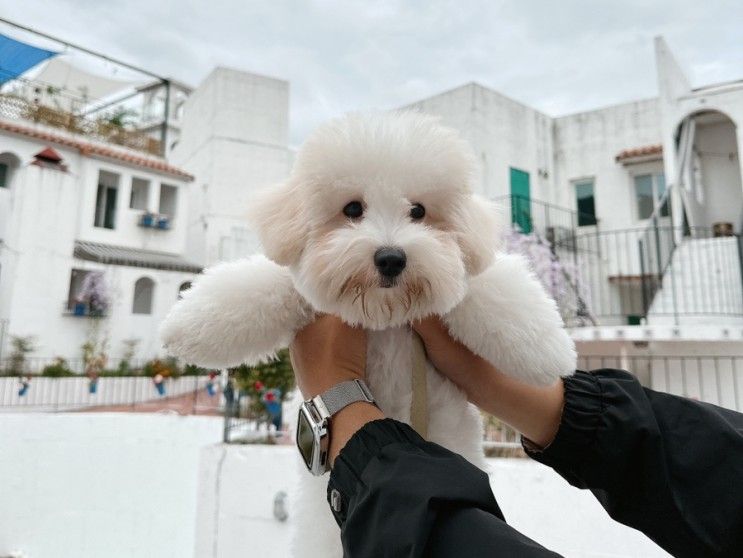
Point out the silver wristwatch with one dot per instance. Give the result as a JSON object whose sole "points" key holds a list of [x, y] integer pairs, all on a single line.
{"points": [[314, 415]]}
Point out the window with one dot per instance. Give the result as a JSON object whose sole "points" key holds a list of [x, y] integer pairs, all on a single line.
{"points": [[140, 196], [649, 189], [105, 201], [144, 289], [9, 163], [168, 200], [585, 202], [88, 294]]}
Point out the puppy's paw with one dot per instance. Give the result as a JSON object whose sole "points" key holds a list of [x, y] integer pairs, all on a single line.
{"points": [[508, 319], [236, 312]]}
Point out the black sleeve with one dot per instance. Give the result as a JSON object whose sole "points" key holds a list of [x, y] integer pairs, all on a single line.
{"points": [[666, 465], [394, 494]]}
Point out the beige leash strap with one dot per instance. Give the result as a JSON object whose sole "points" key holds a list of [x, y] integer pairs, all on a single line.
{"points": [[419, 404]]}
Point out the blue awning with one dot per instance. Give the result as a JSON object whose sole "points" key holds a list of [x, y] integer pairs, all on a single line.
{"points": [[17, 57]]}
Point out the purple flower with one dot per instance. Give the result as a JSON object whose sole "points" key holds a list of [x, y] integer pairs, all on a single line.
{"points": [[93, 291]]}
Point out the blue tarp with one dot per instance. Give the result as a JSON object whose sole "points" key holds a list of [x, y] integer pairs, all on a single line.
{"points": [[17, 57]]}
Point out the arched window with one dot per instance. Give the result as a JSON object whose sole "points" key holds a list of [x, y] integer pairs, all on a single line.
{"points": [[144, 289], [9, 163], [184, 287]]}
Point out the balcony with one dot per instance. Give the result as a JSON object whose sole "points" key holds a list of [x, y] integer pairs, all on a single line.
{"points": [[658, 276], [155, 221], [114, 124], [84, 310]]}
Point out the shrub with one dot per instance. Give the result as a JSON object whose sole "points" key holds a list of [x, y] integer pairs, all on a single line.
{"points": [[193, 370], [130, 348], [276, 373], [58, 369], [21, 347], [111, 372], [166, 367]]}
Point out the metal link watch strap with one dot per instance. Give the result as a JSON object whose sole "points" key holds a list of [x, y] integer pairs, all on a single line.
{"points": [[343, 394]]}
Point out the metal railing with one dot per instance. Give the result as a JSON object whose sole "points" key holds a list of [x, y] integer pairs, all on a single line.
{"points": [[632, 276], [244, 423], [713, 379], [183, 395], [556, 224]]}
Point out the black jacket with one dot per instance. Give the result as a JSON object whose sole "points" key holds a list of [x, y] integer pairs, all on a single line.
{"points": [[666, 465]]}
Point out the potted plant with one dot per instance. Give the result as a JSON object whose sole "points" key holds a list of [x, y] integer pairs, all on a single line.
{"points": [[147, 219]]}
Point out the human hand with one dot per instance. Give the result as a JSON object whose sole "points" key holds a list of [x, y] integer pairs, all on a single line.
{"points": [[532, 410], [326, 352], [323, 354]]}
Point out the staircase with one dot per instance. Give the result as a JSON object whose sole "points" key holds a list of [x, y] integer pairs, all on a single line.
{"points": [[701, 285]]}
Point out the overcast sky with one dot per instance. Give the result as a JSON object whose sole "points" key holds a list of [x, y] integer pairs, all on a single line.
{"points": [[558, 56]]}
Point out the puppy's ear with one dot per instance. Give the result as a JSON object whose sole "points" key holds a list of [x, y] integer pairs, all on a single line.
{"points": [[277, 215], [479, 227]]}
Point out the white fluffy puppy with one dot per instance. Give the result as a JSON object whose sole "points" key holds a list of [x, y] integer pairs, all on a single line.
{"points": [[378, 224]]}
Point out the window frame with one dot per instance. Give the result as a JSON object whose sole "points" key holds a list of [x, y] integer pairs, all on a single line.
{"points": [[577, 182], [654, 174], [5, 176], [147, 192], [100, 207], [164, 187], [151, 305]]}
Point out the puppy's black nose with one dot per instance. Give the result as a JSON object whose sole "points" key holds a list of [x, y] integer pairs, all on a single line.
{"points": [[390, 261]]}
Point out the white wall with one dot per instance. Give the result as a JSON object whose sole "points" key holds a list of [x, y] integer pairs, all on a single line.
{"points": [[586, 145], [237, 487], [121, 485], [113, 485], [127, 231], [48, 210], [503, 133], [41, 291], [720, 173], [234, 139]]}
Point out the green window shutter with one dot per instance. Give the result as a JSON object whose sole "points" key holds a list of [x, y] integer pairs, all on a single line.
{"points": [[521, 200]]}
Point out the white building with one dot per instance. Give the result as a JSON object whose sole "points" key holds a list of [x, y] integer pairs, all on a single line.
{"points": [[234, 138], [644, 199], [78, 214], [70, 208]]}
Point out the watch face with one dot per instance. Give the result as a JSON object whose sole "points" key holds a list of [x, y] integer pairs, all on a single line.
{"points": [[305, 439]]}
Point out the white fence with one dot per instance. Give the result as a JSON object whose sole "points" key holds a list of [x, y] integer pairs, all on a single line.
{"points": [[66, 394]]}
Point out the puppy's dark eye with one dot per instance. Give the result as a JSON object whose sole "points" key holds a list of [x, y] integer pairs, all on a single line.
{"points": [[417, 212], [353, 209]]}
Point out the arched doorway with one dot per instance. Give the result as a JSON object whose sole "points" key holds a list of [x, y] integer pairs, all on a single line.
{"points": [[709, 167]]}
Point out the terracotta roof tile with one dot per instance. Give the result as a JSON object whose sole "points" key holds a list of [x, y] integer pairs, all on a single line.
{"points": [[644, 151], [98, 150]]}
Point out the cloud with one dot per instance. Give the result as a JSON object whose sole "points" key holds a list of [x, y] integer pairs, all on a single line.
{"points": [[559, 57]]}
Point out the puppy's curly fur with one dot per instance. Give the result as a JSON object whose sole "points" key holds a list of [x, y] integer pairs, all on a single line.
{"points": [[321, 259]]}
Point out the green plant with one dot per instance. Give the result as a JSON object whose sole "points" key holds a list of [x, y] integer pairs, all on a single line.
{"points": [[276, 373], [94, 357], [193, 370], [58, 369], [21, 346], [130, 347], [111, 372], [121, 117], [165, 367]]}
